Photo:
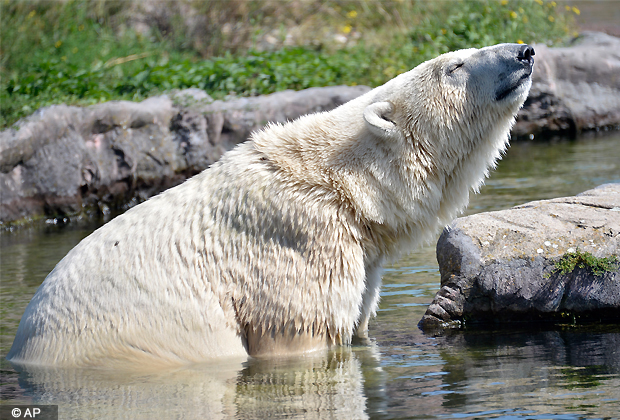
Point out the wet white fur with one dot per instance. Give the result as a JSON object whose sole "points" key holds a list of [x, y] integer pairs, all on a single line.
{"points": [[278, 247]]}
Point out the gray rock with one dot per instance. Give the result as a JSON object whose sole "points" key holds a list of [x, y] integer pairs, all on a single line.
{"points": [[573, 89], [62, 161], [500, 266]]}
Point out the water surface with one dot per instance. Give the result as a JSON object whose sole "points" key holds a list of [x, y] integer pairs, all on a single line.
{"points": [[565, 373]]}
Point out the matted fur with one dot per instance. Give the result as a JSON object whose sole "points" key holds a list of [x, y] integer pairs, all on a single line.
{"points": [[278, 247]]}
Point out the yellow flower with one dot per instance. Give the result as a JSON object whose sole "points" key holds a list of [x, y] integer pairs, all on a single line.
{"points": [[521, 10], [576, 11], [567, 8], [513, 14], [58, 44], [539, 2], [352, 14], [81, 28], [553, 4], [504, 2], [443, 31], [520, 41], [31, 14], [347, 29], [551, 19]]}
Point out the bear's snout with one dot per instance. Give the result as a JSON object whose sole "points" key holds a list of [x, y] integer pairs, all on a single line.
{"points": [[516, 67], [525, 53]]}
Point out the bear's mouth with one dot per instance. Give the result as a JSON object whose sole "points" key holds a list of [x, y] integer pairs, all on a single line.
{"points": [[505, 92]]}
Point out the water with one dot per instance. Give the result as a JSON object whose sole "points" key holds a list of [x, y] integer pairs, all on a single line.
{"points": [[562, 373]]}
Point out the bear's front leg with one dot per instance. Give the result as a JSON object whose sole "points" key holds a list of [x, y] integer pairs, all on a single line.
{"points": [[370, 298]]}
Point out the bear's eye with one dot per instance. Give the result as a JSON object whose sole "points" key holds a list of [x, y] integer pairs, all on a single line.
{"points": [[455, 66]]}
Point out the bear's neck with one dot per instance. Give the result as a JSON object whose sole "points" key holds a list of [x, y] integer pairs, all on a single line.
{"points": [[397, 196]]}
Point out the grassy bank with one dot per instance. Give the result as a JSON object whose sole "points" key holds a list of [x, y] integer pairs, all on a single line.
{"points": [[89, 51]]}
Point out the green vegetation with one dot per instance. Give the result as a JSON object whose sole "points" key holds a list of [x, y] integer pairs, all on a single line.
{"points": [[578, 259], [89, 51]]}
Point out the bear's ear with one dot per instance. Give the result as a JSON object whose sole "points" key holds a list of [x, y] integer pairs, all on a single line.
{"points": [[377, 118]]}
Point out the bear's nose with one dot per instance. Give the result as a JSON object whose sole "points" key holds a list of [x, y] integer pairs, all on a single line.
{"points": [[525, 53]]}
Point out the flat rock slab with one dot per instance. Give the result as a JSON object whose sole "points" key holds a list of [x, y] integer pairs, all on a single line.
{"points": [[501, 266]]}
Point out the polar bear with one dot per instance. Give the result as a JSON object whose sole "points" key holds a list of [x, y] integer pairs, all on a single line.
{"points": [[277, 248]]}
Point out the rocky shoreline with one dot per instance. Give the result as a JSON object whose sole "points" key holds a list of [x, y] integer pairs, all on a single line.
{"points": [[506, 266], [63, 161], [67, 161]]}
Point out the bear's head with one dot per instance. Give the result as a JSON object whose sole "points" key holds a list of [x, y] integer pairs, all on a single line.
{"points": [[456, 101], [447, 122]]}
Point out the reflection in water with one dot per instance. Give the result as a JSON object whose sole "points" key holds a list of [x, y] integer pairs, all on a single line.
{"points": [[548, 371], [521, 375], [310, 388], [315, 386], [90, 393], [568, 374]]}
